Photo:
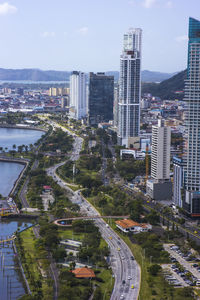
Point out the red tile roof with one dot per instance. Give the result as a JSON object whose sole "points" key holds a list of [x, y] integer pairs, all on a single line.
{"points": [[47, 187], [127, 223], [83, 273]]}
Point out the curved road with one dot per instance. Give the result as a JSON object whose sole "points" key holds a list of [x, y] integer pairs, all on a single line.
{"points": [[125, 269]]}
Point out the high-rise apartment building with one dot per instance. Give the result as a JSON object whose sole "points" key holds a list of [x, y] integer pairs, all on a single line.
{"points": [[178, 181], [159, 187], [191, 201], [101, 96], [78, 103], [116, 106], [130, 88], [160, 151]]}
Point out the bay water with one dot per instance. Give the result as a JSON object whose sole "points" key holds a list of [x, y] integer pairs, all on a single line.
{"points": [[11, 283]]}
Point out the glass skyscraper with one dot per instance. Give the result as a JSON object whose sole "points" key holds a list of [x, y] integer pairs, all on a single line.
{"points": [[191, 201], [130, 88], [101, 96]]}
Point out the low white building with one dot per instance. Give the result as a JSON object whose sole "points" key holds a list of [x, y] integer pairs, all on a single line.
{"points": [[132, 226], [132, 153]]}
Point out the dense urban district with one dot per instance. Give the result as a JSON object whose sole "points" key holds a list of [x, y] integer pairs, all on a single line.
{"points": [[112, 187]]}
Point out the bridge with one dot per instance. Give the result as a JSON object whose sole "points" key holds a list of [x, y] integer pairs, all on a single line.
{"points": [[8, 239], [58, 221]]}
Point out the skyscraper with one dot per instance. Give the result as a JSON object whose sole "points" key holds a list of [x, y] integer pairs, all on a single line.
{"points": [[159, 187], [100, 100], [78, 104], [160, 151], [191, 201], [130, 88], [116, 106]]}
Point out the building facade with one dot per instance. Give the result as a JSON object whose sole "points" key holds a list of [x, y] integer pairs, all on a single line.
{"points": [[178, 181], [101, 97], [160, 151], [130, 88], [78, 101], [192, 96], [116, 106], [159, 187]]}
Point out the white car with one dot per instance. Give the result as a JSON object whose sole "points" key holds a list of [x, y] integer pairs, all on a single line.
{"points": [[129, 277]]}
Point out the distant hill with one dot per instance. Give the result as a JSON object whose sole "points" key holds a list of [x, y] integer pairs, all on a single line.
{"points": [[33, 74], [147, 76], [167, 89], [150, 76], [40, 75]]}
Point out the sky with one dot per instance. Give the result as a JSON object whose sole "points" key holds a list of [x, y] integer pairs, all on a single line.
{"points": [[87, 35]]}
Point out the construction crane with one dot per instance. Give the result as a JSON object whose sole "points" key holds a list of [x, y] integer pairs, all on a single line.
{"points": [[147, 162]]}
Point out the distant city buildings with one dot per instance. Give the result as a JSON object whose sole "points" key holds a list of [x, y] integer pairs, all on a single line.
{"points": [[159, 187], [78, 101], [100, 99], [130, 89], [191, 199], [54, 91]]}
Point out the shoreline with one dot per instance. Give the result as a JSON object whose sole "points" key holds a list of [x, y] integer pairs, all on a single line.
{"points": [[20, 161], [22, 127]]}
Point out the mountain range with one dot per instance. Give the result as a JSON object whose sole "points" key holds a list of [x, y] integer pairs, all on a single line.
{"points": [[171, 88], [40, 75]]}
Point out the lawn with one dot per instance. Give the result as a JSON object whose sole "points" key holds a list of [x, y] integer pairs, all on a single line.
{"points": [[66, 233], [106, 286], [73, 187], [37, 264], [105, 274]]}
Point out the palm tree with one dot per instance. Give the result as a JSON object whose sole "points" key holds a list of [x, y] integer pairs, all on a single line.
{"points": [[14, 146]]}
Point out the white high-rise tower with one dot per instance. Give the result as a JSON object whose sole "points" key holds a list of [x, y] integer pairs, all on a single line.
{"points": [[160, 151], [130, 88], [159, 187], [78, 102]]}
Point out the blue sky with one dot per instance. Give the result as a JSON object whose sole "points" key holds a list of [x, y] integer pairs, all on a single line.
{"points": [[87, 34]]}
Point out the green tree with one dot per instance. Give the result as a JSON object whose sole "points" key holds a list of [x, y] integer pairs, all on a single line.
{"points": [[154, 269]]}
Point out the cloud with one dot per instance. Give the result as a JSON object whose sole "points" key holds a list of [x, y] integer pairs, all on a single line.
{"points": [[83, 30], [6, 8], [47, 34], [148, 3], [169, 4], [181, 38]]}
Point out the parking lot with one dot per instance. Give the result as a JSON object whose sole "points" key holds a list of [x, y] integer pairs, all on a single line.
{"points": [[172, 277], [183, 268]]}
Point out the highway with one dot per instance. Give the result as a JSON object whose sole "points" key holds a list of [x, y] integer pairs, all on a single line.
{"points": [[126, 271]]}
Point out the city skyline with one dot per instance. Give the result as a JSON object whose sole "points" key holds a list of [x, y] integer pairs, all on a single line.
{"points": [[87, 35]]}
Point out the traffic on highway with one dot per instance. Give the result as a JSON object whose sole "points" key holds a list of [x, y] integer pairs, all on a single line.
{"points": [[126, 270]]}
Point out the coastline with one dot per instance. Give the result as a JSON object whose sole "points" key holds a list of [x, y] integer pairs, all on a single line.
{"points": [[22, 127], [24, 162], [14, 189]]}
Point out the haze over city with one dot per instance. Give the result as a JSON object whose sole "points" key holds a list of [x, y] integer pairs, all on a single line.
{"points": [[87, 35]]}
